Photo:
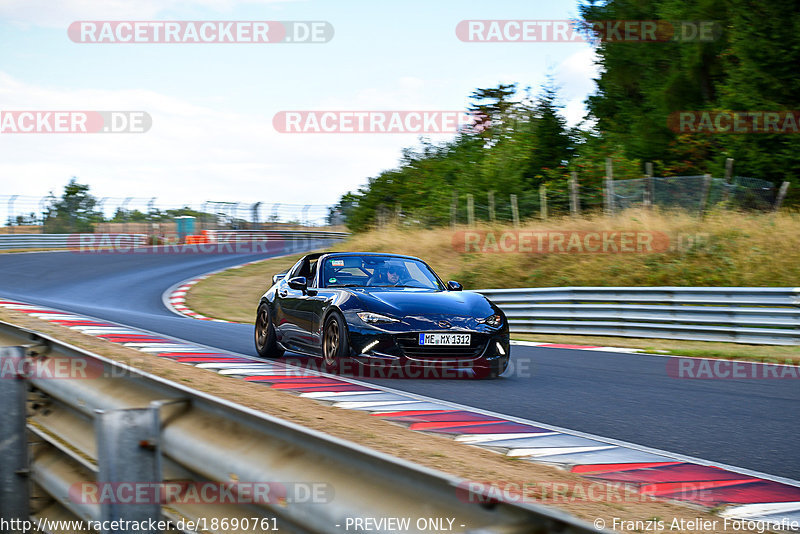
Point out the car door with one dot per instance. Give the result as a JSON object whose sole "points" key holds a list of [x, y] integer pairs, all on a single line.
{"points": [[301, 310], [285, 305]]}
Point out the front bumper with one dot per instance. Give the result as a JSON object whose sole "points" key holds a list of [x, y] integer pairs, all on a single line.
{"points": [[396, 346]]}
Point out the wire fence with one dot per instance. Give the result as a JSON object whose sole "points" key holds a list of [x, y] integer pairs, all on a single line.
{"points": [[695, 194], [31, 214]]}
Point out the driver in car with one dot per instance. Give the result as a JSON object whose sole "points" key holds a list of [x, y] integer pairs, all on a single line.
{"points": [[396, 275]]}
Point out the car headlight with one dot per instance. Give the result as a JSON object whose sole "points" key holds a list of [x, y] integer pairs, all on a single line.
{"points": [[376, 318], [493, 320]]}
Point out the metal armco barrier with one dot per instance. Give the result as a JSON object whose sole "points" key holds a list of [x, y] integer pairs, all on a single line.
{"points": [[235, 236], [758, 315], [123, 425], [75, 241], [66, 241]]}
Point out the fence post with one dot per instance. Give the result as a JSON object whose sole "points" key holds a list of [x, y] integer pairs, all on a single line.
{"points": [[491, 206], [726, 187], [648, 185], [781, 195], [543, 201], [398, 210], [704, 197], [453, 210], [574, 199], [470, 210], [14, 496], [514, 211], [728, 169], [609, 187], [128, 450]]}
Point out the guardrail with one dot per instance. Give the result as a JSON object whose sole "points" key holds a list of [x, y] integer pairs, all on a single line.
{"points": [[65, 241], [128, 241], [228, 236], [757, 315], [122, 426]]}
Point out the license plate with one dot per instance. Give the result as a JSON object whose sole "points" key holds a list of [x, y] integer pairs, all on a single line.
{"points": [[444, 339]]}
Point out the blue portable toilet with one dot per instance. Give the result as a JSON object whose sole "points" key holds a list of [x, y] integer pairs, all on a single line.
{"points": [[184, 225]]}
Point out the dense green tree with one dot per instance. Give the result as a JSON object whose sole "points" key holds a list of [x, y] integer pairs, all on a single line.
{"points": [[74, 211]]}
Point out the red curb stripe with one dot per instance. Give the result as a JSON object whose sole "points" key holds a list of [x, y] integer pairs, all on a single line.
{"points": [[675, 473], [452, 417], [451, 424], [761, 491], [492, 428], [677, 487], [609, 468], [68, 322], [407, 413], [198, 359], [330, 389]]}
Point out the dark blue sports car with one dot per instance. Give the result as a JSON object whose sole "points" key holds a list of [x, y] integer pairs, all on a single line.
{"points": [[360, 312]]}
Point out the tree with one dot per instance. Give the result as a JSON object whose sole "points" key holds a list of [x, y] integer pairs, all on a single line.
{"points": [[74, 211], [551, 142], [491, 108]]}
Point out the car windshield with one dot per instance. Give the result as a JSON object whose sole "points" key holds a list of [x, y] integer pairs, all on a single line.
{"points": [[377, 271]]}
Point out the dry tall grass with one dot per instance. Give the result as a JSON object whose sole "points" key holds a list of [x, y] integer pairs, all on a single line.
{"points": [[723, 249]]}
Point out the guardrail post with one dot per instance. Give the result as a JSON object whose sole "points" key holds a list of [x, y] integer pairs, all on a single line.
{"points": [[14, 444], [128, 451]]}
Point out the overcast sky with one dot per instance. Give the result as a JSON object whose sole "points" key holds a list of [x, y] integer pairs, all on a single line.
{"points": [[212, 104]]}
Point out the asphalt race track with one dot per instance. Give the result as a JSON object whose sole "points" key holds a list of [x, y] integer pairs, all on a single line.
{"points": [[746, 423]]}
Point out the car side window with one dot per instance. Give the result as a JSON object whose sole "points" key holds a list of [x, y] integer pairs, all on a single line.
{"points": [[312, 271], [294, 270]]}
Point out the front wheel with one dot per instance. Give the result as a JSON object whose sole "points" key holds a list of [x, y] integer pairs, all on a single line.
{"points": [[335, 347], [266, 342]]}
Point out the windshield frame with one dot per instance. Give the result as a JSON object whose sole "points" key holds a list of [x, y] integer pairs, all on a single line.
{"points": [[323, 284]]}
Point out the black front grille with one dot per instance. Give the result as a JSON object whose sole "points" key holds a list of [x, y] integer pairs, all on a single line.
{"points": [[412, 349]]}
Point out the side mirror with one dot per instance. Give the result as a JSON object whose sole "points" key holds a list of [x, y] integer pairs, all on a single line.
{"points": [[452, 285], [278, 277], [298, 282]]}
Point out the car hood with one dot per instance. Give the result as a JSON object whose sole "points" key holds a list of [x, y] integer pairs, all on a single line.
{"points": [[417, 302]]}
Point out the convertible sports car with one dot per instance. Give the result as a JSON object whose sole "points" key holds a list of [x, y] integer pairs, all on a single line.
{"points": [[361, 311]]}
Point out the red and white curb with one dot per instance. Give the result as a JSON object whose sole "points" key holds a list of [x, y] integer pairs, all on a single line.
{"points": [[743, 494], [174, 298]]}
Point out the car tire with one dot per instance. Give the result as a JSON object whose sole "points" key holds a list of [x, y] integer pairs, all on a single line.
{"points": [[335, 345], [265, 337]]}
